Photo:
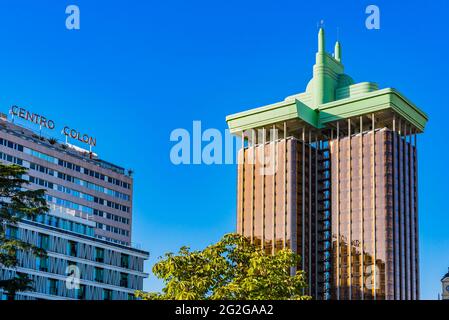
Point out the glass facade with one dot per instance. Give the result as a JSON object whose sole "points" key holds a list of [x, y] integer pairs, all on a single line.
{"points": [[374, 217], [278, 202], [346, 204], [86, 233], [103, 268]]}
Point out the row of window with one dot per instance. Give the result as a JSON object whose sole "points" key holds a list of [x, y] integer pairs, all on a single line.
{"points": [[64, 224], [74, 193], [72, 250], [40, 155], [77, 227], [69, 225], [99, 277], [102, 226], [74, 206], [63, 163], [93, 174], [40, 182], [7, 157], [111, 216], [72, 247], [69, 204], [111, 204], [80, 293], [78, 194], [11, 145], [100, 176], [69, 165], [92, 186], [112, 229], [51, 172], [80, 182], [123, 243]]}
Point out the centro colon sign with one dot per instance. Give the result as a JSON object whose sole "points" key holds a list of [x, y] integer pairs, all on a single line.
{"points": [[43, 122]]}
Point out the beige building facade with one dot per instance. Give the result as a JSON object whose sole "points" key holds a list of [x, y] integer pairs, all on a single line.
{"points": [[445, 284]]}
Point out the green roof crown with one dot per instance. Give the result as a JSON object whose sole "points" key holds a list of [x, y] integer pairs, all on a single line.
{"points": [[331, 95]]}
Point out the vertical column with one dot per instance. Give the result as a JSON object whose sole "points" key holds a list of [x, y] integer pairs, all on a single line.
{"points": [[349, 227], [362, 222], [303, 189], [240, 229], [338, 212], [309, 245], [402, 212], [396, 224], [274, 159], [412, 215], [263, 189], [285, 187], [253, 177], [405, 218], [407, 212], [317, 259], [373, 195], [416, 220]]}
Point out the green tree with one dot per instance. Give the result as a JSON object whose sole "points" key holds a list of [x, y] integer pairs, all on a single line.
{"points": [[232, 269], [16, 202]]}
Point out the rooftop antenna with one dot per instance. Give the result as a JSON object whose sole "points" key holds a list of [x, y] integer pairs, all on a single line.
{"points": [[66, 137], [320, 25], [12, 115]]}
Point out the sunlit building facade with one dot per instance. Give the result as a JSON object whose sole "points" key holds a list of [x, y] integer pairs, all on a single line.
{"points": [[377, 214], [332, 174], [86, 233], [277, 204]]}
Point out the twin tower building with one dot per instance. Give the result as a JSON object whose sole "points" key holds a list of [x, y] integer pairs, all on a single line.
{"points": [[332, 174]]}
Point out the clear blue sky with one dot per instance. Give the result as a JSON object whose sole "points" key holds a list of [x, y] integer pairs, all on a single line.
{"points": [[139, 69]]}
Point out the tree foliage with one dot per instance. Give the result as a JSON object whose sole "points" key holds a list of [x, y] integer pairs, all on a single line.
{"points": [[17, 203], [20, 283], [232, 269]]}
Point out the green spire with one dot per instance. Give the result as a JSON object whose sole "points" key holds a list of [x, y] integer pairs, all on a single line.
{"points": [[337, 51], [318, 78], [330, 96], [326, 72], [321, 45]]}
